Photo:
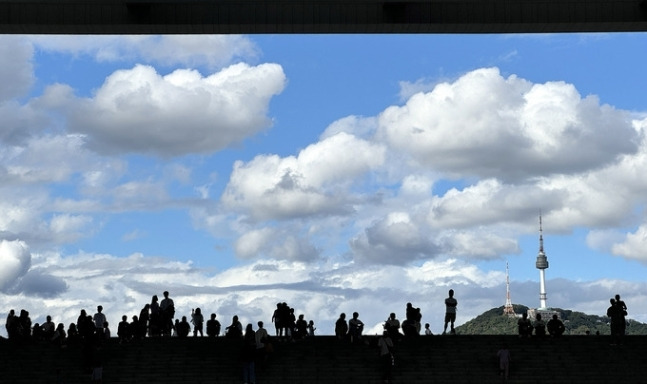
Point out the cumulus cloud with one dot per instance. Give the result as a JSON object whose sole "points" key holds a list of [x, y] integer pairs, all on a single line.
{"points": [[278, 244], [37, 283], [634, 245], [395, 239], [210, 51], [313, 183], [138, 110], [15, 259], [485, 125], [16, 67]]}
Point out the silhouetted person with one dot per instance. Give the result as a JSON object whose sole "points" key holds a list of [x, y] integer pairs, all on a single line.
{"points": [[167, 312], [60, 336], [11, 325], [385, 346], [248, 355], [136, 330], [144, 319], [450, 312], [409, 328], [623, 310], [392, 326], [555, 327], [621, 303], [73, 335], [97, 372], [355, 328], [48, 328], [341, 326], [37, 333], [504, 362], [524, 326], [540, 326], [24, 325], [276, 319], [155, 320], [175, 328], [213, 326], [124, 330], [300, 328], [235, 330], [428, 330], [106, 331], [311, 328], [262, 338], [414, 317], [99, 318], [183, 328], [198, 322], [85, 325], [615, 313]]}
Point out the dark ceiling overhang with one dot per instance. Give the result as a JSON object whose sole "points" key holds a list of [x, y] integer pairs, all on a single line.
{"points": [[319, 16]]}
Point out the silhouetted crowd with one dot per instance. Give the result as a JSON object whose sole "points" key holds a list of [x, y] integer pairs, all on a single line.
{"points": [[157, 319]]}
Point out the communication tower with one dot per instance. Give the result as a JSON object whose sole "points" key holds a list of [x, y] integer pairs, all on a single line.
{"points": [[542, 265], [508, 309]]}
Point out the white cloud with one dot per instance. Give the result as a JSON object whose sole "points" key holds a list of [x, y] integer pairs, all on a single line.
{"points": [[313, 183], [15, 259], [488, 126], [479, 244], [634, 245], [70, 228], [211, 51], [16, 67], [395, 239], [141, 111], [278, 244]]}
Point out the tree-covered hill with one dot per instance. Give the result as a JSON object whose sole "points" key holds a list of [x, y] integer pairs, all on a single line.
{"points": [[494, 322]]}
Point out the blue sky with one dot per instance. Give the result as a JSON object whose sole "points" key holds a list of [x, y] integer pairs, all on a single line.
{"points": [[338, 173]]}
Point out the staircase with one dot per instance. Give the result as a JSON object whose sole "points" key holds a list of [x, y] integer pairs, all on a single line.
{"points": [[327, 360]]}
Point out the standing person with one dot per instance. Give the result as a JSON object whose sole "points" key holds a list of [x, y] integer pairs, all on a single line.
{"points": [[154, 320], [248, 355], [167, 313], [276, 319], [124, 330], [12, 324], [198, 320], [341, 326], [262, 338], [144, 320], [385, 346], [614, 312], [355, 328], [311, 328], [99, 320], [623, 311], [504, 362], [540, 326], [450, 312]]}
